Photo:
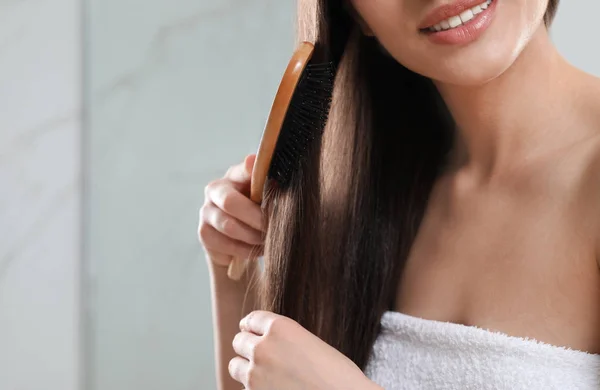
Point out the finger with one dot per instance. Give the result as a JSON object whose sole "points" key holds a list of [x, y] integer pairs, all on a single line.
{"points": [[237, 205], [230, 226], [249, 163], [244, 344], [241, 173], [219, 243], [258, 322], [238, 369]]}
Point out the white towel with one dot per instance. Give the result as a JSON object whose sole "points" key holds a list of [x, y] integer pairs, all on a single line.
{"points": [[413, 353]]}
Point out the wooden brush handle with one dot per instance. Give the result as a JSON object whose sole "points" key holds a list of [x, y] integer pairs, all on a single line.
{"points": [[236, 269], [281, 103]]}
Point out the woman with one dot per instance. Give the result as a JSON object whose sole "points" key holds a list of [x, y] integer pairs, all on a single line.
{"points": [[456, 240]]}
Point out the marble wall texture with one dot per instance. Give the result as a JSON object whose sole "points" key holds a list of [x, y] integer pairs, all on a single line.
{"points": [[178, 91], [40, 192]]}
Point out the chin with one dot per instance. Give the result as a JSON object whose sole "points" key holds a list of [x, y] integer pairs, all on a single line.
{"points": [[474, 65], [467, 69], [474, 70]]}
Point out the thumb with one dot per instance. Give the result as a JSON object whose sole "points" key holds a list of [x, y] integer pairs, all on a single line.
{"points": [[249, 163]]}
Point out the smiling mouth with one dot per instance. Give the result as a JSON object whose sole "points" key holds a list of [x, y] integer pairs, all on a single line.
{"points": [[458, 20]]}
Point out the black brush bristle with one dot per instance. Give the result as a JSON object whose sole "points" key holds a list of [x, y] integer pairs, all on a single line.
{"points": [[305, 120]]}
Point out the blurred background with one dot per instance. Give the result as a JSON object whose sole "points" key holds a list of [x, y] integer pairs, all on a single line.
{"points": [[114, 115]]}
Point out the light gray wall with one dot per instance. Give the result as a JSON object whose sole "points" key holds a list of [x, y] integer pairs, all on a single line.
{"points": [[178, 91], [40, 129], [576, 35]]}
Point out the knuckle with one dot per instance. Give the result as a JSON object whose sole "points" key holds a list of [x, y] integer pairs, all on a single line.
{"points": [[235, 341], [202, 214], [211, 187], [228, 226], [276, 325], [228, 201], [233, 368], [249, 317], [208, 188], [281, 326], [203, 232], [238, 341]]}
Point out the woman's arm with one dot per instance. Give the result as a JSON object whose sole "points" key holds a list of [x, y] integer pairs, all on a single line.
{"points": [[230, 226], [230, 303]]}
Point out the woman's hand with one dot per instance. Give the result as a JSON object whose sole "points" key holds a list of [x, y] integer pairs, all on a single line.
{"points": [[277, 353], [230, 223]]}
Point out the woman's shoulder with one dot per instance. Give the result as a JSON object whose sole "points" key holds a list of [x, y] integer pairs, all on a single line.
{"points": [[588, 93], [592, 177], [592, 194], [588, 152]]}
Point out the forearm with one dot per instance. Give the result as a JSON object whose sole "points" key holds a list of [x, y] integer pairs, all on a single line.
{"points": [[230, 303]]}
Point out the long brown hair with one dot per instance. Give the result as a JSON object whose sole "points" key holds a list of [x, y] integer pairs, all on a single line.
{"points": [[339, 235]]}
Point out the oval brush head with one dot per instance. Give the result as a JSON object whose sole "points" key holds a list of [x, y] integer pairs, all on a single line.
{"points": [[298, 116]]}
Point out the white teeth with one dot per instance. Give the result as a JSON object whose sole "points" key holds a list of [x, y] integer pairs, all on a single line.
{"points": [[464, 17], [454, 21]]}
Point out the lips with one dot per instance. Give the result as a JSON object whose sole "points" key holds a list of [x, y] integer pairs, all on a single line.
{"points": [[447, 11], [462, 28]]}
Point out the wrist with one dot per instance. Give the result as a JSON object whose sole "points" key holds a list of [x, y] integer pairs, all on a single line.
{"points": [[226, 289]]}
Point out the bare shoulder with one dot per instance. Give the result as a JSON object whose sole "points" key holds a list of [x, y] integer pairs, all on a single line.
{"points": [[593, 176], [593, 196], [589, 96], [590, 190], [592, 193]]}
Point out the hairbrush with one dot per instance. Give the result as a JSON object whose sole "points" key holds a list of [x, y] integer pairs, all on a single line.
{"points": [[298, 115]]}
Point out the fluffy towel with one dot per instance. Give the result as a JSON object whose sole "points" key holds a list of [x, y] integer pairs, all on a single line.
{"points": [[413, 353]]}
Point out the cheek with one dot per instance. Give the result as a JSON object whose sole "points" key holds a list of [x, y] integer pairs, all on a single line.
{"points": [[514, 24], [383, 17]]}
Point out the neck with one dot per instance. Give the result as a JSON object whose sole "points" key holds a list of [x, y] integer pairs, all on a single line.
{"points": [[510, 119]]}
